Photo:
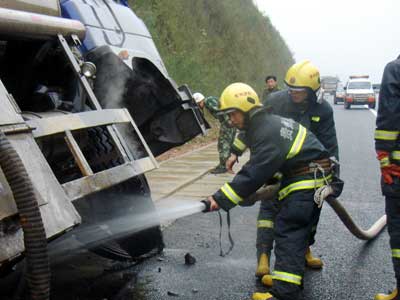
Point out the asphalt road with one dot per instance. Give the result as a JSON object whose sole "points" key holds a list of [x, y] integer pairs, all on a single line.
{"points": [[354, 269]]}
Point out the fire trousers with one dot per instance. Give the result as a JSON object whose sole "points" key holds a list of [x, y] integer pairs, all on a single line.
{"points": [[392, 199], [265, 227], [294, 221]]}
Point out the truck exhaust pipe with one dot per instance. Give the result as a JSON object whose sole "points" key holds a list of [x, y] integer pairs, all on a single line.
{"points": [[37, 26]]}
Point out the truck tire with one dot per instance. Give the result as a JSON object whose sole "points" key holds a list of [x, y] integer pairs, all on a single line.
{"points": [[128, 235], [116, 207], [109, 217]]}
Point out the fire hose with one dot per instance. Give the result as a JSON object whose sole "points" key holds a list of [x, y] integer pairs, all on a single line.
{"points": [[268, 192], [347, 220], [38, 270]]}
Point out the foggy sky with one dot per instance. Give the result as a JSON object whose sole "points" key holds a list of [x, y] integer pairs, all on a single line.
{"points": [[340, 37]]}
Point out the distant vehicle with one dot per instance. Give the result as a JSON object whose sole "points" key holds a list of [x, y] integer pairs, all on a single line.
{"points": [[376, 87], [359, 91], [339, 94], [329, 85]]}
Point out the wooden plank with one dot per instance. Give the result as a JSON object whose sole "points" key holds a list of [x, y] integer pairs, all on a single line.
{"points": [[83, 186], [77, 154], [9, 113], [59, 124], [58, 213]]}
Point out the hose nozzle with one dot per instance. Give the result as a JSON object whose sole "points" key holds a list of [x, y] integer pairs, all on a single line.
{"points": [[207, 205]]}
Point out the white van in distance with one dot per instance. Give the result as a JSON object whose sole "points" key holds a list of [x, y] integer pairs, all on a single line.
{"points": [[359, 91]]}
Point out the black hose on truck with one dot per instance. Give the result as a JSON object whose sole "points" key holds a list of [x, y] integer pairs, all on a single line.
{"points": [[37, 260]]}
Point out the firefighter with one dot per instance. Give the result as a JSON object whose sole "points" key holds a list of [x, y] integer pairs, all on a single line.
{"points": [[387, 145], [302, 104], [277, 144], [226, 132], [271, 86]]}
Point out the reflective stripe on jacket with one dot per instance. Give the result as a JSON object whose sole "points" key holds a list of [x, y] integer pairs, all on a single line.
{"points": [[276, 144], [387, 133]]}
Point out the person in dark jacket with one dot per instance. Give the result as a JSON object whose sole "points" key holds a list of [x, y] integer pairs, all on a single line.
{"points": [[301, 104], [271, 86], [277, 145], [387, 145]]}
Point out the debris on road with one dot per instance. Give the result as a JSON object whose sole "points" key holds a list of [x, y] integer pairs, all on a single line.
{"points": [[189, 259], [170, 293]]}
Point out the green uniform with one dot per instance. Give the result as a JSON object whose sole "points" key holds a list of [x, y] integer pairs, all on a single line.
{"points": [[226, 132]]}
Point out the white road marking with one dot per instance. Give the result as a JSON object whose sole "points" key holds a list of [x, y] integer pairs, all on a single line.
{"points": [[371, 110]]}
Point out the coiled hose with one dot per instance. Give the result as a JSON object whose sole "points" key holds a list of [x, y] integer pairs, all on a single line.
{"points": [[37, 260]]}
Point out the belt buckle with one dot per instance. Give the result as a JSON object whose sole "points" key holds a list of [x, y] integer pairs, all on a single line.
{"points": [[313, 166]]}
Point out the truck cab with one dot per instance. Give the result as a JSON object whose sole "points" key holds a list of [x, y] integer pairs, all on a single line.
{"points": [[359, 91], [131, 73], [329, 85]]}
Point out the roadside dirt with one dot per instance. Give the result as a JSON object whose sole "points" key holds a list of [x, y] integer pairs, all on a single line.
{"points": [[198, 142]]}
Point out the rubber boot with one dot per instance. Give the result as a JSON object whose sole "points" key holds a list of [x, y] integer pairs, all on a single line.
{"points": [[262, 296], [313, 262], [263, 265], [392, 296], [267, 280], [220, 169]]}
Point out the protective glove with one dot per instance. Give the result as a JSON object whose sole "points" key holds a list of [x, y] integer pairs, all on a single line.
{"points": [[387, 169]]}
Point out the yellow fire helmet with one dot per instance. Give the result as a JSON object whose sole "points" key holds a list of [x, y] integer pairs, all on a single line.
{"points": [[303, 75], [238, 96]]}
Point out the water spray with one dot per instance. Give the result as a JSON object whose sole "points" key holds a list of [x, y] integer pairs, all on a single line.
{"points": [[166, 211]]}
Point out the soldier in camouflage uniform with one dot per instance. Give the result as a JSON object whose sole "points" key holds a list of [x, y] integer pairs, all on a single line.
{"points": [[226, 131]]}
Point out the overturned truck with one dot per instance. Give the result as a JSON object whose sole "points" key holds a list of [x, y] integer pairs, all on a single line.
{"points": [[86, 105]]}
